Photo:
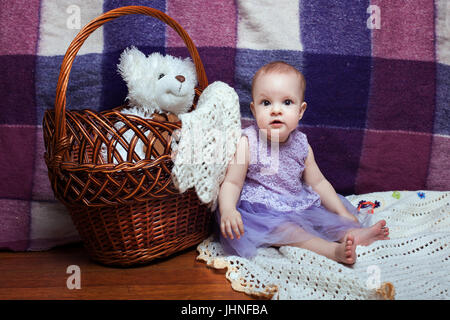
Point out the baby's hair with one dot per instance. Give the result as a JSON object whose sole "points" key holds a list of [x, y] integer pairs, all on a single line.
{"points": [[280, 67]]}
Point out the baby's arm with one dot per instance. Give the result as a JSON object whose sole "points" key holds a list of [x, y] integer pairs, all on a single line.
{"points": [[313, 177], [230, 190]]}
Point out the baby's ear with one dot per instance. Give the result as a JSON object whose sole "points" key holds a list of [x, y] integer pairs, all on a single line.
{"points": [[302, 109], [252, 108]]}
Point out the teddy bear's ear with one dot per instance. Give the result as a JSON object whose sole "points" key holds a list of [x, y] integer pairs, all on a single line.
{"points": [[188, 61], [191, 68], [155, 61], [132, 64]]}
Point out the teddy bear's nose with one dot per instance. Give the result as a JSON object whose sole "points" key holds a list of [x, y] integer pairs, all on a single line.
{"points": [[180, 78]]}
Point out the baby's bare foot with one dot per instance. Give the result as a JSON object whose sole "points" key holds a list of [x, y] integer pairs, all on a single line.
{"points": [[366, 236], [346, 250]]}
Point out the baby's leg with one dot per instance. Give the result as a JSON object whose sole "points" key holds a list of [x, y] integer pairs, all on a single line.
{"points": [[341, 252]]}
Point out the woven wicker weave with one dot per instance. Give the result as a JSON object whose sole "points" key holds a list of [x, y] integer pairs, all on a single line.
{"points": [[128, 212]]}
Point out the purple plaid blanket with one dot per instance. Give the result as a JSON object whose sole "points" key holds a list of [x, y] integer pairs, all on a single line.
{"points": [[377, 72]]}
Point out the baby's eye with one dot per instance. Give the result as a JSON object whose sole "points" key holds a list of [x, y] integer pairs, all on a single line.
{"points": [[161, 76], [266, 102], [288, 102]]}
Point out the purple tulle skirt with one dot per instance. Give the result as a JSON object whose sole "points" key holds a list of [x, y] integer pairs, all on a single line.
{"points": [[265, 227]]}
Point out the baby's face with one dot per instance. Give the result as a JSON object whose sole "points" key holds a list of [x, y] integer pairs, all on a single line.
{"points": [[277, 104]]}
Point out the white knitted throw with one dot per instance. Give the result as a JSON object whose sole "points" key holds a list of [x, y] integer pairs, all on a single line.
{"points": [[208, 141], [413, 264]]}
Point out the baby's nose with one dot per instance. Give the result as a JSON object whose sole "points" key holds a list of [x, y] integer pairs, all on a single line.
{"points": [[276, 108], [180, 78]]}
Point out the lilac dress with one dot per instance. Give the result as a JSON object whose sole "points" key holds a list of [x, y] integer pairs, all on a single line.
{"points": [[277, 208]]}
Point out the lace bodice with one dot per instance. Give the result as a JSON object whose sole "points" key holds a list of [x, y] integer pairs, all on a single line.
{"points": [[277, 169]]}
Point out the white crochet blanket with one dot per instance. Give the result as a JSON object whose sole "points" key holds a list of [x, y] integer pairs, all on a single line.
{"points": [[413, 264], [208, 140]]}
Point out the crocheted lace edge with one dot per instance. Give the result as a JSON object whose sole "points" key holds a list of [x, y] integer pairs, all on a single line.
{"points": [[385, 292]]}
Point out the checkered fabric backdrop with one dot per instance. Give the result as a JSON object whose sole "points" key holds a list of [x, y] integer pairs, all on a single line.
{"points": [[378, 98]]}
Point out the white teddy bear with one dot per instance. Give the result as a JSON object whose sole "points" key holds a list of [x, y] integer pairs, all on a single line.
{"points": [[209, 135], [158, 83]]}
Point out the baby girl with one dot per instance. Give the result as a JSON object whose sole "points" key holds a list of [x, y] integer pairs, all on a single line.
{"points": [[293, 205]]}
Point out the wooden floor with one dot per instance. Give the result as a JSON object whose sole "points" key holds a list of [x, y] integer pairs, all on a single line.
{"points": [[43, 275]]}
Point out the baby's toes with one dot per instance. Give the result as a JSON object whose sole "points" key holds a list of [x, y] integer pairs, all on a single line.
{"points": [[350, 255], [348, 247], [349, 241], [381, 224]]}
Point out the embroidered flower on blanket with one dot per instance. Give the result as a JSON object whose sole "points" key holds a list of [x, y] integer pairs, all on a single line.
{"points": [[208, 141]]}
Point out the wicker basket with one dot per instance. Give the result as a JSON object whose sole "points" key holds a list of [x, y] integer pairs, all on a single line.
{"points": [[127, 212]]}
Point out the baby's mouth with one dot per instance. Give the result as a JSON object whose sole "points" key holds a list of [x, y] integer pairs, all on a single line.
{"points": [[276, 122]]}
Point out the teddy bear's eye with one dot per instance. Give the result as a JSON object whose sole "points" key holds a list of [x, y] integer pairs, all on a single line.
{"points": [[161, 76]]}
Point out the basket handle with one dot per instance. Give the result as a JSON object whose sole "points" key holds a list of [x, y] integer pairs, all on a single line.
{"points": [[60, 142]]}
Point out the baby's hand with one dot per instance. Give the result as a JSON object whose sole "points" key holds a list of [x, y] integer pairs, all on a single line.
{"points": [[231, 221]]}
